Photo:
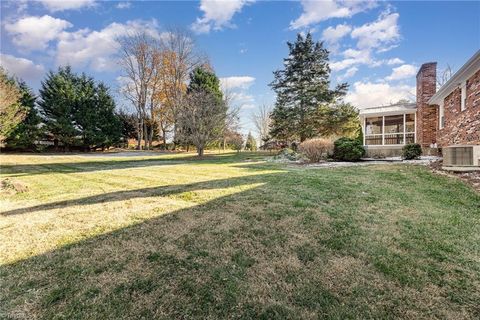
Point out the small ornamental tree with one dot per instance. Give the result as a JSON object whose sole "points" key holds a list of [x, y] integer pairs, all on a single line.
{"points": [[251, 143]]}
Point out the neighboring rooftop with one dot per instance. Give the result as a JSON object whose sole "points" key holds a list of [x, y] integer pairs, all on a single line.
{"points": [[465, 72]]}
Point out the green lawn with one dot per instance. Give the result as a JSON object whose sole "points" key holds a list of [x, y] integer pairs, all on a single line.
{"points": [[233, 236]]}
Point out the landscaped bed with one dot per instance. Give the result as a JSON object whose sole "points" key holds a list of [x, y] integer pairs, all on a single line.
{"points": [[234, 236]]}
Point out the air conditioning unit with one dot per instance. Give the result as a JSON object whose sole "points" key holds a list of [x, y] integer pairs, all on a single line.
{"points": [[463, 157]]}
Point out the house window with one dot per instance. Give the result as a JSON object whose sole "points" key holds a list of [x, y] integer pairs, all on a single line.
{"points": [[390, 130], [464, 96]]}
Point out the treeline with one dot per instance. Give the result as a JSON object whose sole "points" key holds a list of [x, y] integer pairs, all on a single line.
{"points": [[173, 95]]}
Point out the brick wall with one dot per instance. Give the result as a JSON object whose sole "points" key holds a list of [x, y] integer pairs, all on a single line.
{"points": [[427, 115], [462, 127]]}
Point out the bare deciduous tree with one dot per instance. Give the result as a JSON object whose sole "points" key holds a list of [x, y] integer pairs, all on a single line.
{"points": [[137, 63], [202, 119], [444, 76], [262, 121], [232, 121]]}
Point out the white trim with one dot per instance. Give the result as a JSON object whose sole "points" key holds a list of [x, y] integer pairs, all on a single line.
{"points": [[383, 130], [441, 114], [463, 96], [465, 73]]}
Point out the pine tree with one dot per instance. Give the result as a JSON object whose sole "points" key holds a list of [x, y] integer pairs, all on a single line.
{"points": [[302, 87], [251, 143], [202, 79], [77, 111], [29, 130], [57, 103], [109, 124]]}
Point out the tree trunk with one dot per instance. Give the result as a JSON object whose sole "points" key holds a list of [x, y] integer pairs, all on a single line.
{"points": [[150, 138], [164, 133], [139, 134], [200, 151], [145, 136], [224, 143]]}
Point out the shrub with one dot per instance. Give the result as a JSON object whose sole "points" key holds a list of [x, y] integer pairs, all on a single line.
{"points": [[348, 149], [412, 151], [316, 149], [288, 155]]}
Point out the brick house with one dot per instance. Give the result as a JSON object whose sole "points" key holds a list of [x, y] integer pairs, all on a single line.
{"points": [[438, 121]]}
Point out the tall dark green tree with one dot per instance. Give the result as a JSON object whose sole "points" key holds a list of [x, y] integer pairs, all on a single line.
{"points": [[57, 106], [202, 79], [302, 87], [77, 111], [29, 130], [109, 125]]}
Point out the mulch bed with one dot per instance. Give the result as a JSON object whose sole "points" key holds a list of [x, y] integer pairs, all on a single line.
{"points": [[472, 178]]}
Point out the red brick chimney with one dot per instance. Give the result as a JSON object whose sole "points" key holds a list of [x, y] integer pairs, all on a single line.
{"points": [[427, 115]]}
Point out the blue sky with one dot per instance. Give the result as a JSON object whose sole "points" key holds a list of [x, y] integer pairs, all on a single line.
{"points": [[376, 47]]}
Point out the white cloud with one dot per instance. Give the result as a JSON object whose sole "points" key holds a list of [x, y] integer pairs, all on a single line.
{"points": [[61, 5], [394, 61], [368, 94], [402, 72], [243, 82], [376, 34], [352, 57], [334, 34], [34, 33], [315, 11], [95, 49], [349, 73], [22, 68], [217, 14], [123, 5]]}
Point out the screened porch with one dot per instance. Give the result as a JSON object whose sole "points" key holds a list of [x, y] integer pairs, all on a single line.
{"points": [[389, 130]]}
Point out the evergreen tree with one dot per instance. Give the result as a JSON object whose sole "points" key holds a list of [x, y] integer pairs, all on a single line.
{"points": [[57, 103], [302, 87], [77, 111], [202, 79], [251, 143], [109, 124], [29, 130]]}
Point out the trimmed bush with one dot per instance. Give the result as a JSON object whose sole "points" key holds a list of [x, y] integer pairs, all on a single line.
{"points": [[348, 149], [316, 149], [412, 151]]}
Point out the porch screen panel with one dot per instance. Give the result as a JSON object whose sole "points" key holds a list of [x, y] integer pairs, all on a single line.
{"points": [[394, 129], [373, 130]]}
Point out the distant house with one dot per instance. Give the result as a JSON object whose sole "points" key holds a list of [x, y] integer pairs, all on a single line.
{"points": [[446, 120]]}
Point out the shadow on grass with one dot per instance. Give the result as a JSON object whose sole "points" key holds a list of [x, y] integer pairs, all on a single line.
{"points": [[18, 170], [142, 193]]}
